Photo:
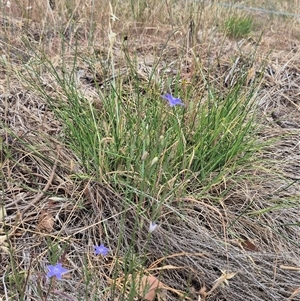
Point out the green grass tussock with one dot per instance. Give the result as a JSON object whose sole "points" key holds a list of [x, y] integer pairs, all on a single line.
{"points": [[139, 138]]}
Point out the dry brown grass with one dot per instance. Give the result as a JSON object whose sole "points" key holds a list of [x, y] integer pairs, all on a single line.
{"points": [[252, 231]]}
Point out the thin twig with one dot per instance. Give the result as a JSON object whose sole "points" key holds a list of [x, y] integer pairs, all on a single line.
{"points": [[4, 286]]}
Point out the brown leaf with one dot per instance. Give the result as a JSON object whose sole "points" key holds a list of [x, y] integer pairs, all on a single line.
{"points": [[244, 244], [152, 284], [148, 286], [248, 245], [46, 222]]}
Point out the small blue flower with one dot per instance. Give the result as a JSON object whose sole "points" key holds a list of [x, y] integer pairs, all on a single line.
{"points": [[56, 270], [101, 250], [172, 100]]}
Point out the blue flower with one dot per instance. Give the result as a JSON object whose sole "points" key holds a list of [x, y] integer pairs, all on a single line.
{"points": [[101, 250], [56, 270], [172, 100]]}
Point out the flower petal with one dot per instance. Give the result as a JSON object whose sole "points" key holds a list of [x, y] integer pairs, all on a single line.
{"points": [[152, 227], [172, 100]]}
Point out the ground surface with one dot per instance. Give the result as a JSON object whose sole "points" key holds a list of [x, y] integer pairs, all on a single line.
{"points": [[253, 232]]}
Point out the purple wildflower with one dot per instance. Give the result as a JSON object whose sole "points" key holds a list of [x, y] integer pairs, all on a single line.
{"points": [[56, 270], [101, 250], [172, 100]]}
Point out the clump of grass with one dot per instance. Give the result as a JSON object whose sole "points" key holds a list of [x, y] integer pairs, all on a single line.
{"points": [[139, 140], [238, 26]]}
